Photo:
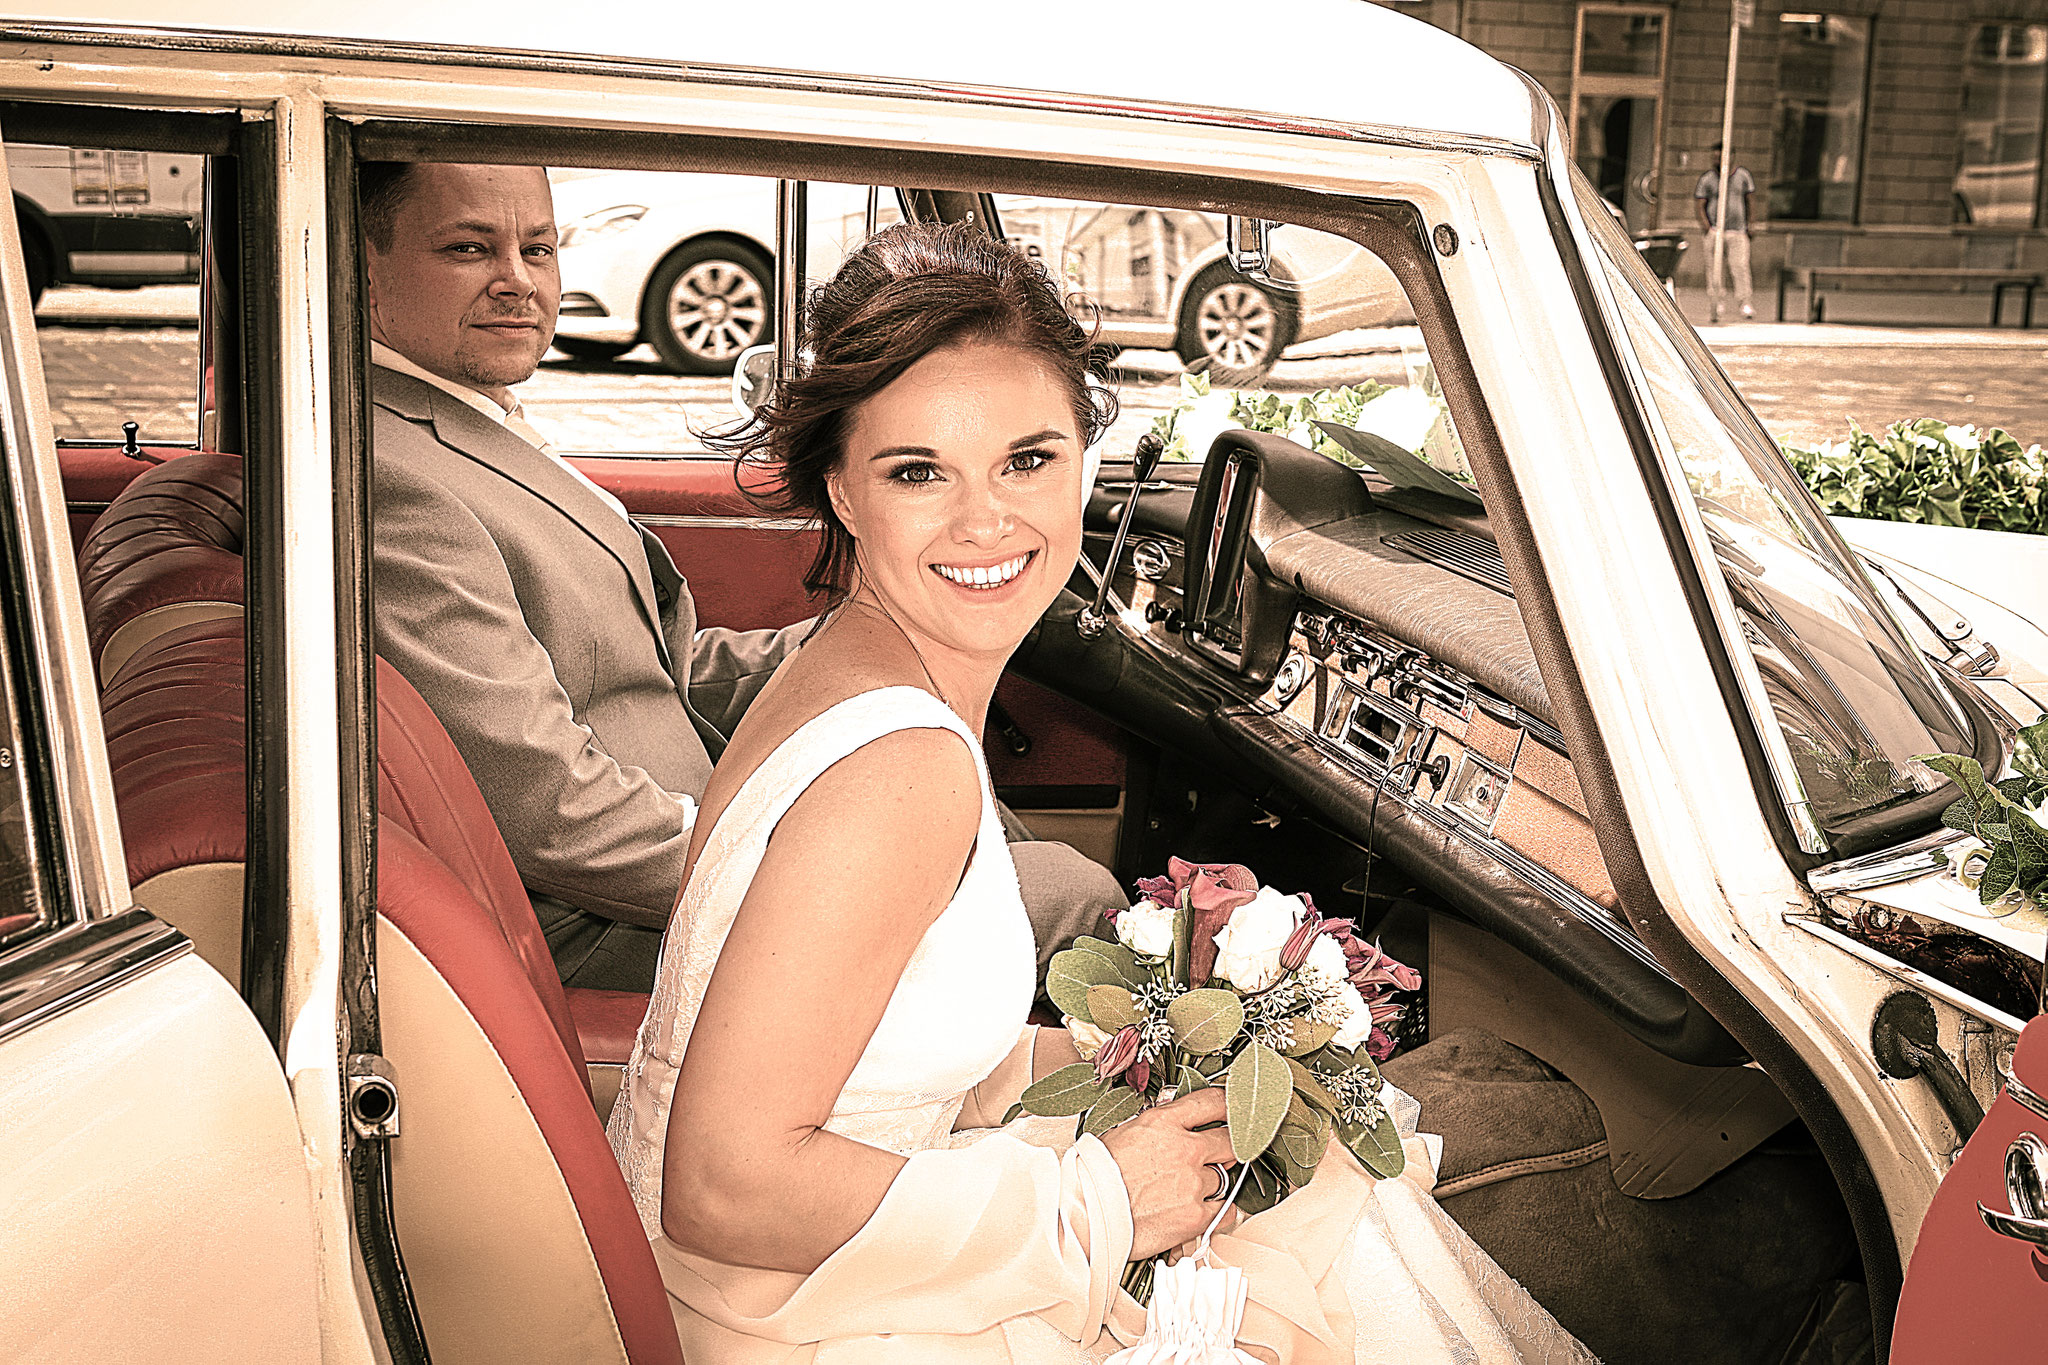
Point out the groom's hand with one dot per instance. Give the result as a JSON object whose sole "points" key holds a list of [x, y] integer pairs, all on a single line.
{"points": [[1166, 1169]]}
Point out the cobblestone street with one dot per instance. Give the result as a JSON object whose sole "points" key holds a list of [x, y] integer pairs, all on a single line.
{"points": [[105, 366]]}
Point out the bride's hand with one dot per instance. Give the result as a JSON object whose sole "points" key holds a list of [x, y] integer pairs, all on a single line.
{"points": [[1165, 1166]]}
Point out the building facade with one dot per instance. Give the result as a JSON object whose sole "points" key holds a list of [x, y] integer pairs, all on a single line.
{"points": [[1898, 133]]}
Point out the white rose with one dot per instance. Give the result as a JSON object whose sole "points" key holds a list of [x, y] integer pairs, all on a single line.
{"points": [[1088, 1039], [1357, 1025], [1248, 947], [1146, 928], [1326, 955]]}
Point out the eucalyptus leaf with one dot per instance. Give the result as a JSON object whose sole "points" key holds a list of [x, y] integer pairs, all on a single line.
{"points": [[1205, 1020], [1306, 1035], [1263, 1187], [1189, 1081], [1310, 1089], [1120, 1103], [1256, 1092], [1112, 1007], [1069, 1090], [1015, 1112], [1072, 973], [1377, 1148], [1116, 955]]}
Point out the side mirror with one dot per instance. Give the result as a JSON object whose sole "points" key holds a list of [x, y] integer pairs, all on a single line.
{"points": [[1248, 244], [753, 378]]}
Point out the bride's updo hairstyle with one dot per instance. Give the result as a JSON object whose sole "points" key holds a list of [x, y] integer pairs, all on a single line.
{"points": [[911, 290]]}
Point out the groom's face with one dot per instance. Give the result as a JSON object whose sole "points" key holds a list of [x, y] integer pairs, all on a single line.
{"points": [[961, 484]]}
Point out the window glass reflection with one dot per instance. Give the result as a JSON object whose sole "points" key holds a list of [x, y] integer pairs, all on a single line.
{"points": [[1999, 175], [1817, 124]]}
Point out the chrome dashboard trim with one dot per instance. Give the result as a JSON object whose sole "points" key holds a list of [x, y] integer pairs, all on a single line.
{"points": [[62, 971], [724, 523], [335, 49], [1559, 892], [1928, 853]]}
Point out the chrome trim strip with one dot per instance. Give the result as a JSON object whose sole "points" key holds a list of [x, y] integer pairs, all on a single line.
{"points": [[1791, 788], [1912, 976], [330, 50], [1559, 892], [63, 971], [2025, 1094], [723, 523], [1928, 853]]}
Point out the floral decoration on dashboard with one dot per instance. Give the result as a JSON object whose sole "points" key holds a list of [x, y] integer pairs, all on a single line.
{"points": [[1217, 980]]}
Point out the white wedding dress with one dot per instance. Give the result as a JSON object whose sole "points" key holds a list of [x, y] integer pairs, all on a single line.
{"points": [[1006, 1245]]}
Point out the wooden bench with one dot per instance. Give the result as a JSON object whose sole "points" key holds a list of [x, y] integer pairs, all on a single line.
{"points": [[1814, 278]]}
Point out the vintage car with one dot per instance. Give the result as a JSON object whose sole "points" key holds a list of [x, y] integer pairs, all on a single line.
{"points": [[1536, 660]]}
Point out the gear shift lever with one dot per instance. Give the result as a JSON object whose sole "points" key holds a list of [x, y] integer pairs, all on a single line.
{"points": [[1094, 619]]}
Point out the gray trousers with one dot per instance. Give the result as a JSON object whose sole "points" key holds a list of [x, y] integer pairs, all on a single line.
{"points": [[1065, 894]]}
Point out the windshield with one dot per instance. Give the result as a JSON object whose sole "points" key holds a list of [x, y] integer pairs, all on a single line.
{"points": [[1855, 700]]}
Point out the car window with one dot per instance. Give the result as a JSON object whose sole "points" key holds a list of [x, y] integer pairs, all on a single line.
{"points": [[1856, 702], [110, 242], [666, 278], [1323, 334]]}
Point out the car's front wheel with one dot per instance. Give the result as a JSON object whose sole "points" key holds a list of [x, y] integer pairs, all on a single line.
{"points": [[1238, 325], [706, 302]]}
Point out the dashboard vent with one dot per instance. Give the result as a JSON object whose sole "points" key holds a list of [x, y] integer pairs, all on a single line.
{"points": [[1475, 557]]}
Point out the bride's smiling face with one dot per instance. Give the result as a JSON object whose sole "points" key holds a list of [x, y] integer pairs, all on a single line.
{"points": [[961, 484]]}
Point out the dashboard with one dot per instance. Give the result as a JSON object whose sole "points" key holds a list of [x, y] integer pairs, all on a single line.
{"points": [[1358, 648]]}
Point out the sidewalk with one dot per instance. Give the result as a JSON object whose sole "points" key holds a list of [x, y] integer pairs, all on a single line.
{"points": [[1958, 320]]}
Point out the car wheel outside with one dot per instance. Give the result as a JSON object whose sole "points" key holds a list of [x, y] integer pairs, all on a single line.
{"points": [[35, 258], [1237, 324], [582, 348], [706, 302]]}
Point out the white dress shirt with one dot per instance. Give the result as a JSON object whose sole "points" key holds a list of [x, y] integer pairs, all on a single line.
{"points": [[513, 419]]}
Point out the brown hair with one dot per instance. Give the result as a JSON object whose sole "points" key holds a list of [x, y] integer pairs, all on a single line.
{"points": [[381, 189], [911, 290]]}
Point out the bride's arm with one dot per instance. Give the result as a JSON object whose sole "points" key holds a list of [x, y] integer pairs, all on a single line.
{"points": [[853, 875], [1039, 1052]]}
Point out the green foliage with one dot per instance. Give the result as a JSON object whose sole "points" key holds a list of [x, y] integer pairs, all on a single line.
{"points": [[1112, 1007], [1070, 1090], [1089, 963], [2002, 817], [1258, 411], [1256, 1093], [1205, 1020], [1928, 471]]}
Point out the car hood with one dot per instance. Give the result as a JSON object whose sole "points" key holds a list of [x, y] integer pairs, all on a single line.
{"points": [[1997, 580]]}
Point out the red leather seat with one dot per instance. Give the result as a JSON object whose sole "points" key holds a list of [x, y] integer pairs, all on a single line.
{"points": [[167, 552], [520, 1239]]}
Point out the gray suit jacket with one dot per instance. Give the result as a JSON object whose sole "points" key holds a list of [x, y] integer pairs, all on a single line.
{"points": [[558, 645]]}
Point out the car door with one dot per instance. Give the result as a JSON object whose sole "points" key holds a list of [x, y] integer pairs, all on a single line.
{"points": [[1977, 1286], [154, 1201]]}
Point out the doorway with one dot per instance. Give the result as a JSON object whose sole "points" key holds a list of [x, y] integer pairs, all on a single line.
{"points": [[1618, 61]]}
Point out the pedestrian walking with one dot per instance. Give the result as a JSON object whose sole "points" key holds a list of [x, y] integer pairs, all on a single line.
{"points": [[1734, 246]]}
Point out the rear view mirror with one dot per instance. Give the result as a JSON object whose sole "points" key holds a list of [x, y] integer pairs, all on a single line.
{"points": [[753, 378]]}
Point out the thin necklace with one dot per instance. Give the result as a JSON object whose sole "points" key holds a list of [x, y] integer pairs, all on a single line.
{"points": [[915, 653]]}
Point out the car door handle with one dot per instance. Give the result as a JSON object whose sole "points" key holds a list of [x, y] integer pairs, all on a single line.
{"points": [[2026, 1189]]}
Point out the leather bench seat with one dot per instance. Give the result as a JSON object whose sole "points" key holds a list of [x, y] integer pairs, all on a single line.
{"points": [[520, 1238], [166, 553]]}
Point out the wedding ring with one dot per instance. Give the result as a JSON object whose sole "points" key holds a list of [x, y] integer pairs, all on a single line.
{"points": [[1222, 1183]]}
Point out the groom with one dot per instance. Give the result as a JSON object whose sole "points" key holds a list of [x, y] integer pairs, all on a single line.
{"points": [[549, 631]]}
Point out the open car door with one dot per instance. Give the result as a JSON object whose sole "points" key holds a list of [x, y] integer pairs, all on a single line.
{"points": [[154, 1198], [1977, 1287]]}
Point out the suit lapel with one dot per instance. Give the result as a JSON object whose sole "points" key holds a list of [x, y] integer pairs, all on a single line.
{"points": [[477, 438]]}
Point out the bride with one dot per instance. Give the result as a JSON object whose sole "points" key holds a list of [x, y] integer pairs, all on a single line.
{"points": [[809, 1120]]}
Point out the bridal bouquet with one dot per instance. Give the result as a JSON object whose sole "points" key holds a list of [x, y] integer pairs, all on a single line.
{"points": [[1216, 980]]}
